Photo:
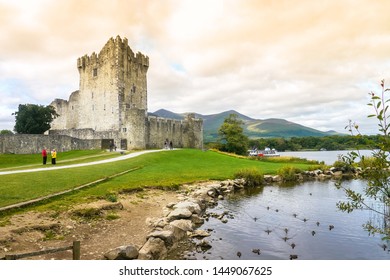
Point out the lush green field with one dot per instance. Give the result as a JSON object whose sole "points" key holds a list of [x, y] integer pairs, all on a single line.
{"points": [[162, 169]]}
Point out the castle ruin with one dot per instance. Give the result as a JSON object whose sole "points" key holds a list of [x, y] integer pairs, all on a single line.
{"points": [[111, 104]]}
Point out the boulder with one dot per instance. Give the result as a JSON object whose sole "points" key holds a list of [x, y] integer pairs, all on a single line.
{"points": [[153, 249], [190, 205], [166, 235], [277, 178], [185, 225], [129, 252], [200, 233], [179, 213]]}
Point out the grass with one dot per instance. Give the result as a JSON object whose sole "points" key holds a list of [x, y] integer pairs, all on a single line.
{"points": [[162, 169], [13, 162]]}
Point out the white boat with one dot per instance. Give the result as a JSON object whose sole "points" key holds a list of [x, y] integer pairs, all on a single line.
{"points": [[267, 152]]}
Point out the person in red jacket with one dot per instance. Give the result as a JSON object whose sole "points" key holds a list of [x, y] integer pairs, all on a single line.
{"points": [[44, 155]]}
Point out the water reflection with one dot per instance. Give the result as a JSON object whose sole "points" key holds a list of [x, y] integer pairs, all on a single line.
{"points": [[289, 222]]}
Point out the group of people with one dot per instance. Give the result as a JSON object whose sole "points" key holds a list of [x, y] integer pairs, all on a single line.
{"points": [[168, 145], [53, 155]]}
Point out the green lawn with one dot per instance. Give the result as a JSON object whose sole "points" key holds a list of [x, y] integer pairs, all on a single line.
{"points": [[161, 169], [13, 162]]}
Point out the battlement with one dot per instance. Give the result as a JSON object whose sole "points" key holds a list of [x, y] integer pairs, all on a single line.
{"points": [[114, 48]]}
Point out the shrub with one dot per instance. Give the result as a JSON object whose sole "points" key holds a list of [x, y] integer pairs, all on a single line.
{"points": [[112, 197], [289, 173], [253, 177]]}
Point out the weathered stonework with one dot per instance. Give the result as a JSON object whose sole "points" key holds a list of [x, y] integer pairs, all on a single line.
{"points": [[111, 103], [34, 143]]}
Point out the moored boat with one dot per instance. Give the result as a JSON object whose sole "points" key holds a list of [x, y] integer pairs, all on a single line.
{"points": [[267, 152]]}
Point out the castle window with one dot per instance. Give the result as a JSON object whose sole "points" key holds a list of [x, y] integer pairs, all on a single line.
{"points": [[92, 95], [124, 129], [94, 72], [104, 107]]}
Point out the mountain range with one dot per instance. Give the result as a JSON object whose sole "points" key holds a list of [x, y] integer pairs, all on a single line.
{"points": [[253, 128]]}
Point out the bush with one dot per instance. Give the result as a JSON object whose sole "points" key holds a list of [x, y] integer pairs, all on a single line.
{"points": [[253, 177], [344, 166], [289, 173]]}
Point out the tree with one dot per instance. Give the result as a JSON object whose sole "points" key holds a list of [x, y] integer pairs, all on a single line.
{"points": [[232, 137], [34, 119], [375, 169], [6, 132]]}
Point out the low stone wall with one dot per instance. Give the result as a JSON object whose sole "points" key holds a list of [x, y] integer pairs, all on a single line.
{"points": [[34, 143]]}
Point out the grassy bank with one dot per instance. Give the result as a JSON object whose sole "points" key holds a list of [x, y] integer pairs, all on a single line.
{"points": [[162, 169]]}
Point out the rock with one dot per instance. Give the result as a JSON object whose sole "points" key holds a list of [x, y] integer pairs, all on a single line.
{"points": [[268, 178], [204, 245], [277, 178], [200, 233], [129, 252], [166, 235], [185, 225], [338, 174], [179, 213], [195, 219], [190, 205], [170, 205], [153, 249]]}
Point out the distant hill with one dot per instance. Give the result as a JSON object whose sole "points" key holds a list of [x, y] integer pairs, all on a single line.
{"points": [[253, 128]]}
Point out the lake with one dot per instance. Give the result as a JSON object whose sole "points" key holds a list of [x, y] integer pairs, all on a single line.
{"points": [[328, 157], [300, 220]]}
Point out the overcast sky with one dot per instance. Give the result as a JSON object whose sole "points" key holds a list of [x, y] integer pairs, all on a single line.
{"points": [[310, 62]]}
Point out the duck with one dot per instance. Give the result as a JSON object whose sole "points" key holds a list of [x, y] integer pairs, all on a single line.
{"points": [[318, 224], [293, 257], [313, 233], [293, 245], [331, 227], [268, 231], [295, 215], [256, 251], [286, 230], [239, 254]]}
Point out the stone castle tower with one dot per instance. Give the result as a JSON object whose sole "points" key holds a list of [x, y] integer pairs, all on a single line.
{"points": [[111, 104]]}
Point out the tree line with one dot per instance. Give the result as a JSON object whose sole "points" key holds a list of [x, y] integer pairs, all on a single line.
{"points": [[316, 143]]}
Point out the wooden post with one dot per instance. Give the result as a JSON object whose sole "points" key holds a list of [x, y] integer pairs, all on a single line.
{"points": [[76, 250]]}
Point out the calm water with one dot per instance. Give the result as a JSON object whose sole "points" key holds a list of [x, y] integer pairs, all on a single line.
{"points": [[275, 218], [329, 157]]}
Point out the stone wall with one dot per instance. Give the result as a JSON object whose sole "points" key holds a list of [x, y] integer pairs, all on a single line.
{"points": [[183, 134], [34, 143]]}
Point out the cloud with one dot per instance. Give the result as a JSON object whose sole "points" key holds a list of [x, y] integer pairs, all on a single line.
{"points": [[306, 61]]}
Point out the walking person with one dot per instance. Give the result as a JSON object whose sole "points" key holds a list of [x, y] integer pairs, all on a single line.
{"points": [[44, 155], [53, 156]]}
